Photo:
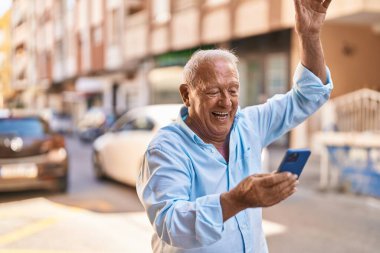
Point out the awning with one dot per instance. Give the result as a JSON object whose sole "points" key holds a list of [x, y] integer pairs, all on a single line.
{"points": [[168, 78]]}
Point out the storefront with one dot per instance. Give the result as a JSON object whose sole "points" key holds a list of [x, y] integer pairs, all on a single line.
{"points": [[167, 75], [264, 66]]}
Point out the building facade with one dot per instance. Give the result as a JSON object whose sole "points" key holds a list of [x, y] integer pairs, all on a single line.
{"points": [[119, 54], [5, 66]]}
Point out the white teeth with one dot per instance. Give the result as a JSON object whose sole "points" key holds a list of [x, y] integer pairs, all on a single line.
{"points": [[221, 113]]}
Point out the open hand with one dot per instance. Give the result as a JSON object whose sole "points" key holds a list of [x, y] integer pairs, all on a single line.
{"points": [[258, 191], [310, 16]]}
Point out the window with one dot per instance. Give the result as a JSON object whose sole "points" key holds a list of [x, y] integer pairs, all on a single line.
{"points": [[59, 49], [140, 123], [70, 5], [135, 6], [20, 50], [183, 4], [277, 73], [21, 76], [115, 29], [98, 35], [213, 3], [26, 127]]}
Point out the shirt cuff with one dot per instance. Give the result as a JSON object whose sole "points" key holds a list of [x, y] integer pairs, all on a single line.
{"points": [[309, 85], [209, 221]]}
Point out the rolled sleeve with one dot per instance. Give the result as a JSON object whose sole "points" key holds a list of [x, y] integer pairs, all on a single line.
{"points": [[209, 221], [164, 188], [285, 111], [309, 86]]}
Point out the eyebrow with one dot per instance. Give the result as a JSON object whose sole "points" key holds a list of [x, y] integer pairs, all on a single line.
{"points": [[213, 85]]}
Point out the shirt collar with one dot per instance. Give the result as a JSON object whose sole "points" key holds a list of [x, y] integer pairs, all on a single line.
{"points": [[183, 114]]}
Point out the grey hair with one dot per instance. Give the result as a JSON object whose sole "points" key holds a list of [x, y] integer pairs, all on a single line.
{"points": [[200, 58]]}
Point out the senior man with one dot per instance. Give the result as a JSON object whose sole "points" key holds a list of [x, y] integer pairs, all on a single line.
{"points": [[200, 182]]}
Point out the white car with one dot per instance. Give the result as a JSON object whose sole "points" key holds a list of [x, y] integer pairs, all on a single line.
{"points": [[119, 152]]}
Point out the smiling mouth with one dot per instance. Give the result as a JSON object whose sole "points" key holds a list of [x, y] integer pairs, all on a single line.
{"points": [[220, 115]]}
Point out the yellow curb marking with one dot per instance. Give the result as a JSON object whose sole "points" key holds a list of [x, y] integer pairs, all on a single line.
{"points": [[27, 230], [32, 251], [37, 251]]}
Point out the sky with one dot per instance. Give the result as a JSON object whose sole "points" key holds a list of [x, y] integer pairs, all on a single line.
{"points": [[4, 6]]}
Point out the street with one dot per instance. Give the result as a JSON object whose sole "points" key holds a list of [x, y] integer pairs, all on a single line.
{"points": [[104, 216]]}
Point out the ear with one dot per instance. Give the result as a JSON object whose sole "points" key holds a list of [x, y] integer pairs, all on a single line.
{"points": [[184, 90]]}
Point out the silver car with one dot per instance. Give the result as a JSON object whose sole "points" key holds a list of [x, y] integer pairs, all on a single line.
{"points": [[118, 153]]}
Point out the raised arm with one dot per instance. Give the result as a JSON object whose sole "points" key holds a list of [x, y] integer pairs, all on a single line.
{"points": [[310, 16]]}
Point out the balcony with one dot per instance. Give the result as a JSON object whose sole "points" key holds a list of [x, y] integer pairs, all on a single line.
{"points": [[186, 19], [359, 12], [20, 34], [136, 36], [216, 24]]}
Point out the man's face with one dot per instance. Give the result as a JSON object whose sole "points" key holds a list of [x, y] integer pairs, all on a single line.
{"points": [[214, 102]]}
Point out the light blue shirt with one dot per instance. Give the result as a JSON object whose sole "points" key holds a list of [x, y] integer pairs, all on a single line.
{"points": [[182, 177]]}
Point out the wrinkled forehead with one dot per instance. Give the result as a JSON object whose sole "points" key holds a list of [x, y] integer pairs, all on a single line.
{"points": [[217, 71]]}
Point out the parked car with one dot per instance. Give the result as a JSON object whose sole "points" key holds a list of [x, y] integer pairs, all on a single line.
{"points": [[61, 122], [118, 153], [94, 123], [31, 157]]}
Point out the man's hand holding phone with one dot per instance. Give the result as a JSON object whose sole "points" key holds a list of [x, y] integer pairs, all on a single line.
{"points": [[264, 190]]}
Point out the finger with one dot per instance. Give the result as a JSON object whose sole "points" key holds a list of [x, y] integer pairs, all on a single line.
{"points": [[289, 191], [262, 175], [283, 191], [274, 179], [275, 198], [326, 3], [285, 186], [297, 4]]}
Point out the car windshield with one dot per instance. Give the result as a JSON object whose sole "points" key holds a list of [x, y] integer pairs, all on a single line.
{"points": [[25, 127]]}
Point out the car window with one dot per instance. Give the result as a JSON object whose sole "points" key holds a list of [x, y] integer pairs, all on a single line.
{"points": [[140, 123], [25, 127]]}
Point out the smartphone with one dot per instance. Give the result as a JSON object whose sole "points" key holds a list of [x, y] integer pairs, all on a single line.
{"points": [[294, 161]]}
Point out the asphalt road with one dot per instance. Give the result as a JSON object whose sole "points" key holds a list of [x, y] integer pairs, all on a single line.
{"points": [[104, 216], [85, 191], [328, 221]]}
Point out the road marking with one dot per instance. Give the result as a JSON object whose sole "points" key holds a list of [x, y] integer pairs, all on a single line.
{"points": [[272, 228], [39, 251], [34, 251], [372, 202], [44, 251], [27, 230]]}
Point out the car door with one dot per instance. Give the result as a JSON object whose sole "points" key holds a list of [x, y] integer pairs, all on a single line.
{"points": [[122, 155]]}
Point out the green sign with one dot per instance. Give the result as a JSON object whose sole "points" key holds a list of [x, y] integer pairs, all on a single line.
{"points": [[177, 58]]}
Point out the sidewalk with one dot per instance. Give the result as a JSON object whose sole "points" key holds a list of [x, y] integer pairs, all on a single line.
{"points": [[318, 221]]}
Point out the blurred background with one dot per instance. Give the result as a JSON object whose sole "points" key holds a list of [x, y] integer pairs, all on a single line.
{"points": [[85, 84]]}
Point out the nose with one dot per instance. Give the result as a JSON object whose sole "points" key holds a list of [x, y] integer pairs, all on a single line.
{"points": [[225, 99]]}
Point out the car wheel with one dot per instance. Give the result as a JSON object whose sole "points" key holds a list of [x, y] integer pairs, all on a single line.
{"points": [[99, 173]]}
